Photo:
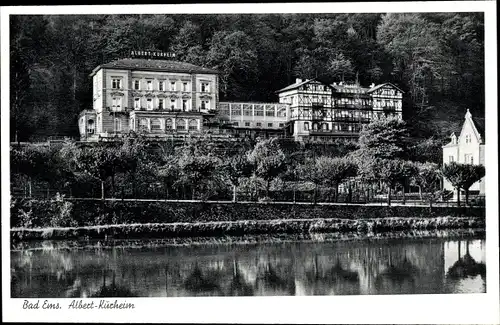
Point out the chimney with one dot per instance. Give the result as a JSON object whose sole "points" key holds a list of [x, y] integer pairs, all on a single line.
{"points": [[298, 80], [341, 83]]}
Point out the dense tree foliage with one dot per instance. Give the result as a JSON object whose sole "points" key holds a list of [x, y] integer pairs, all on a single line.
{"points": [[463, 176], [436, 58]]}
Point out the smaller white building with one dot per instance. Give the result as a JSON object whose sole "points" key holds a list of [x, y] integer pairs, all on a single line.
{"points": [[467, 148]]}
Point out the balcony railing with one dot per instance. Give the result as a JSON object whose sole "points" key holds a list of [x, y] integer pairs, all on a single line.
{"points": [[353, 106]]}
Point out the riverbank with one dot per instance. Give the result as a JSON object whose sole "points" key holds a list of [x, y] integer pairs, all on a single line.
{"points": [[73, 213], [247, 227]]}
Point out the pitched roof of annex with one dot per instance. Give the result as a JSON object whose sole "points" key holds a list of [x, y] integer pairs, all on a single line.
{"points": [[300, 83], [154, 65], [384, 84]]}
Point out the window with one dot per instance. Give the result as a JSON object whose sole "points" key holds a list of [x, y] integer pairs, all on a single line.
{"points": [[205, 104], [172, 104], [137, 84], [161, 85], [143, 124], [168, 124], [184, 105], [468, 159], [281, 125], [185, 86], [258, 124], [451, 159], [116, 83], [150, 85], [117, 103], [205, 87], [155, 124], [282, 112], [306, 126], [117, 125], [161, 103], [325, 127], [137, 103], [259, 110], [236, 124], [90, 127], [247, 123], [193, 125], [172, 85], [181, 125], [270, 125], [247, 110], [149, 104], [270, 112]]}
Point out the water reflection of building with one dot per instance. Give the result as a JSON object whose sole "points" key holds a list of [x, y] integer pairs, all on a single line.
{"points": [[465, 268], [300, 268]]}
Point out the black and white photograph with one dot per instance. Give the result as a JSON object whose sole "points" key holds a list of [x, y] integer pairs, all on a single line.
{"points": [[241, 160]]}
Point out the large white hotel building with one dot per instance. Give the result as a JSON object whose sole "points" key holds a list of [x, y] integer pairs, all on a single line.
{"points": [[165, 98]]}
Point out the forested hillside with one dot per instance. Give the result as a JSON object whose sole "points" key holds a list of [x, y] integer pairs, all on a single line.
{"points": [[437, 59]]}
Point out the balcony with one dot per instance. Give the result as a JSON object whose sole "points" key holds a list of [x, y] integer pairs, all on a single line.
{"points": [[352, 119], [118, 110], [353, 106]]}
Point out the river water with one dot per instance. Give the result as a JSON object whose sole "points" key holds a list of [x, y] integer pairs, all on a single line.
{"points": [[250, 266]]}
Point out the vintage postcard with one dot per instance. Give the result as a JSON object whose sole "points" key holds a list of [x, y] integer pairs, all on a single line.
{"points": [[250, 163]]}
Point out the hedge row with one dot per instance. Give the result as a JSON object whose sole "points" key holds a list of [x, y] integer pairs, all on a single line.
{"points": [[253, 227], [44, 213]]}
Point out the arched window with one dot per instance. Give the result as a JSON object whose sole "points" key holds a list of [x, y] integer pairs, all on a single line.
{"points": [[168, 124], [155, 124], [181, 125], [306, 126], [325, 126], [315, 126], [90, 126], [193, 124]]}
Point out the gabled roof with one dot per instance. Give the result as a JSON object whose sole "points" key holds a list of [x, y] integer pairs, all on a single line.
{"points": [[382, 85], [341, 87], [479, 124], [154, 65], [298, 84]]}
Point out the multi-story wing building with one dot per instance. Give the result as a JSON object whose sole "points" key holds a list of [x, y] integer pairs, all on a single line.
{"points": [[161, 98], [318, 109]]}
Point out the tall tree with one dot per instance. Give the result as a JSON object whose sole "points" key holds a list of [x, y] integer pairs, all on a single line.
{"points": [[428, 180], [268, 159]]}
